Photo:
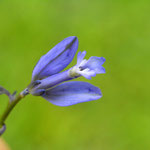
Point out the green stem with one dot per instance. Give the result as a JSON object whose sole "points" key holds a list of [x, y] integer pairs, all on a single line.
{"points": [[9, 108]]}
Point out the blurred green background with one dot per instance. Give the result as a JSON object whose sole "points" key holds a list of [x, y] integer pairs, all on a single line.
{"points": [[116, 30]]}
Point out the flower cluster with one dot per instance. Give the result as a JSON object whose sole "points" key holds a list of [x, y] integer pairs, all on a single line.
{"points": [[47, 78]]}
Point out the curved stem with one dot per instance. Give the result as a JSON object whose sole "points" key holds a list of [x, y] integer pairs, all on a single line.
{"points": [[6, 92], [9, 108]]}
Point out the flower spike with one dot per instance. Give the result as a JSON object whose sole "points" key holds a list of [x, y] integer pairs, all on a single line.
{"points": [[47, 80], [50, 83]]}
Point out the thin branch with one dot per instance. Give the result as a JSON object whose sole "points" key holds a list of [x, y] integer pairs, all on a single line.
{"points": [[6, 92]]}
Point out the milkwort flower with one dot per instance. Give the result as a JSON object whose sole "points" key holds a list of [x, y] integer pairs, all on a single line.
{"points": [[47, 78]]}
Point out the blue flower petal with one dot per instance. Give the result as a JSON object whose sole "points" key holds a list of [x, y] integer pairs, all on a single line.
{"points": [[80, 57], [71, 93], [56, 59], [54, 80], [95, 63]]}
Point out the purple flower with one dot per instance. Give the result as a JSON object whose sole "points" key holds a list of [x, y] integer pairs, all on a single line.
{"points": [[88, 68], [47, 80], [56, 59]]}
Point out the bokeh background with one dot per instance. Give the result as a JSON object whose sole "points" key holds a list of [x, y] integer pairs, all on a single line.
{"points": [[116, 30]]}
